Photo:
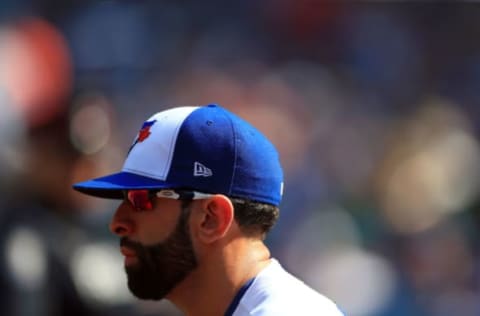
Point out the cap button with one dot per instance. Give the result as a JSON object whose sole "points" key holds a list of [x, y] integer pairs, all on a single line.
{"points": [[212, 105]]}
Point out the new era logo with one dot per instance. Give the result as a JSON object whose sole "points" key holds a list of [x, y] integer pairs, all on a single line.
{"points": [[200, 170]]}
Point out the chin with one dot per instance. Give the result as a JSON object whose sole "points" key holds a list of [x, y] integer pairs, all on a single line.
{"points": [[148, 293]]}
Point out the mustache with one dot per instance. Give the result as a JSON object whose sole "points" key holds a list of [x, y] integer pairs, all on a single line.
{"points": [[141, 249], [145, 254], [127, 243]]}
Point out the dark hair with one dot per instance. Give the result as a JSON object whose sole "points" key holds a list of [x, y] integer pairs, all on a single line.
{"points": [[254, 218]]}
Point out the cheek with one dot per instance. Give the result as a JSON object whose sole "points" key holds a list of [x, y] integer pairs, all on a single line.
{"points": [[194, 231], [156, 226]]}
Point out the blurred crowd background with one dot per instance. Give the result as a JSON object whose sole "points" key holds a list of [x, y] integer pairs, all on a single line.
{"points": [[374, 107]]}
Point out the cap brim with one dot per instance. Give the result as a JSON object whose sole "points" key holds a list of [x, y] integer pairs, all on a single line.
{"points": [[111, 186]]}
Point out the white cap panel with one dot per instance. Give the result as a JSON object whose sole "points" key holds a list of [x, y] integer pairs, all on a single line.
{"points": [[152, 151]]}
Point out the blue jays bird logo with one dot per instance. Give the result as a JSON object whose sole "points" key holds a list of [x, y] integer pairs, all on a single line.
{"points": [[143, 133]]}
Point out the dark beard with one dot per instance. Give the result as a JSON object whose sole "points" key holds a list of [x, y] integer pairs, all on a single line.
{"points": [[162, 266]]}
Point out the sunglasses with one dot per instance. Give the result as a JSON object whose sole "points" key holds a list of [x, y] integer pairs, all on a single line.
{"points": [[142, 200]]}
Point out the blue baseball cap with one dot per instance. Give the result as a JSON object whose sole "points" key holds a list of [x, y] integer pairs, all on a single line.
{"points": [[202, 148]]}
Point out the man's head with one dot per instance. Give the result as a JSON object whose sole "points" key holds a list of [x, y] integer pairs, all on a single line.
{"points": [[191, 175]]}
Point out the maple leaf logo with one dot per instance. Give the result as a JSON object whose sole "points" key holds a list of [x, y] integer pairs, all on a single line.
{"points": [[143, 133]]}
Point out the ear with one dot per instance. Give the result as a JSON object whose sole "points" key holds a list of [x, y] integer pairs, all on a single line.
{"points": [[216, 218]]}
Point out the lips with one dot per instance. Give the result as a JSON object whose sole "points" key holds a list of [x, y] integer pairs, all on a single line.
{"points": [[128, 252], [130, 255], [129, 249]]}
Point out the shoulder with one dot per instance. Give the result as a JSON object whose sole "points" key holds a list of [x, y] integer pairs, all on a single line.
{"points": [[277, 292]]}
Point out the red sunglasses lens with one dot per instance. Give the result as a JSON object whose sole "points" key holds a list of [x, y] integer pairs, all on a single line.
{"points": [[140, 200]]}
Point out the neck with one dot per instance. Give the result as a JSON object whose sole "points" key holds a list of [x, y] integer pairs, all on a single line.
{"points": [[219, 277]]}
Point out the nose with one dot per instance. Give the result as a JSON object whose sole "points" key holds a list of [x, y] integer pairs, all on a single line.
{"points": [[121, 223]]}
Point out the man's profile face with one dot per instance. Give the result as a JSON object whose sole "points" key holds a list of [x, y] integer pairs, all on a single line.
{"points": [[160, 267]]}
